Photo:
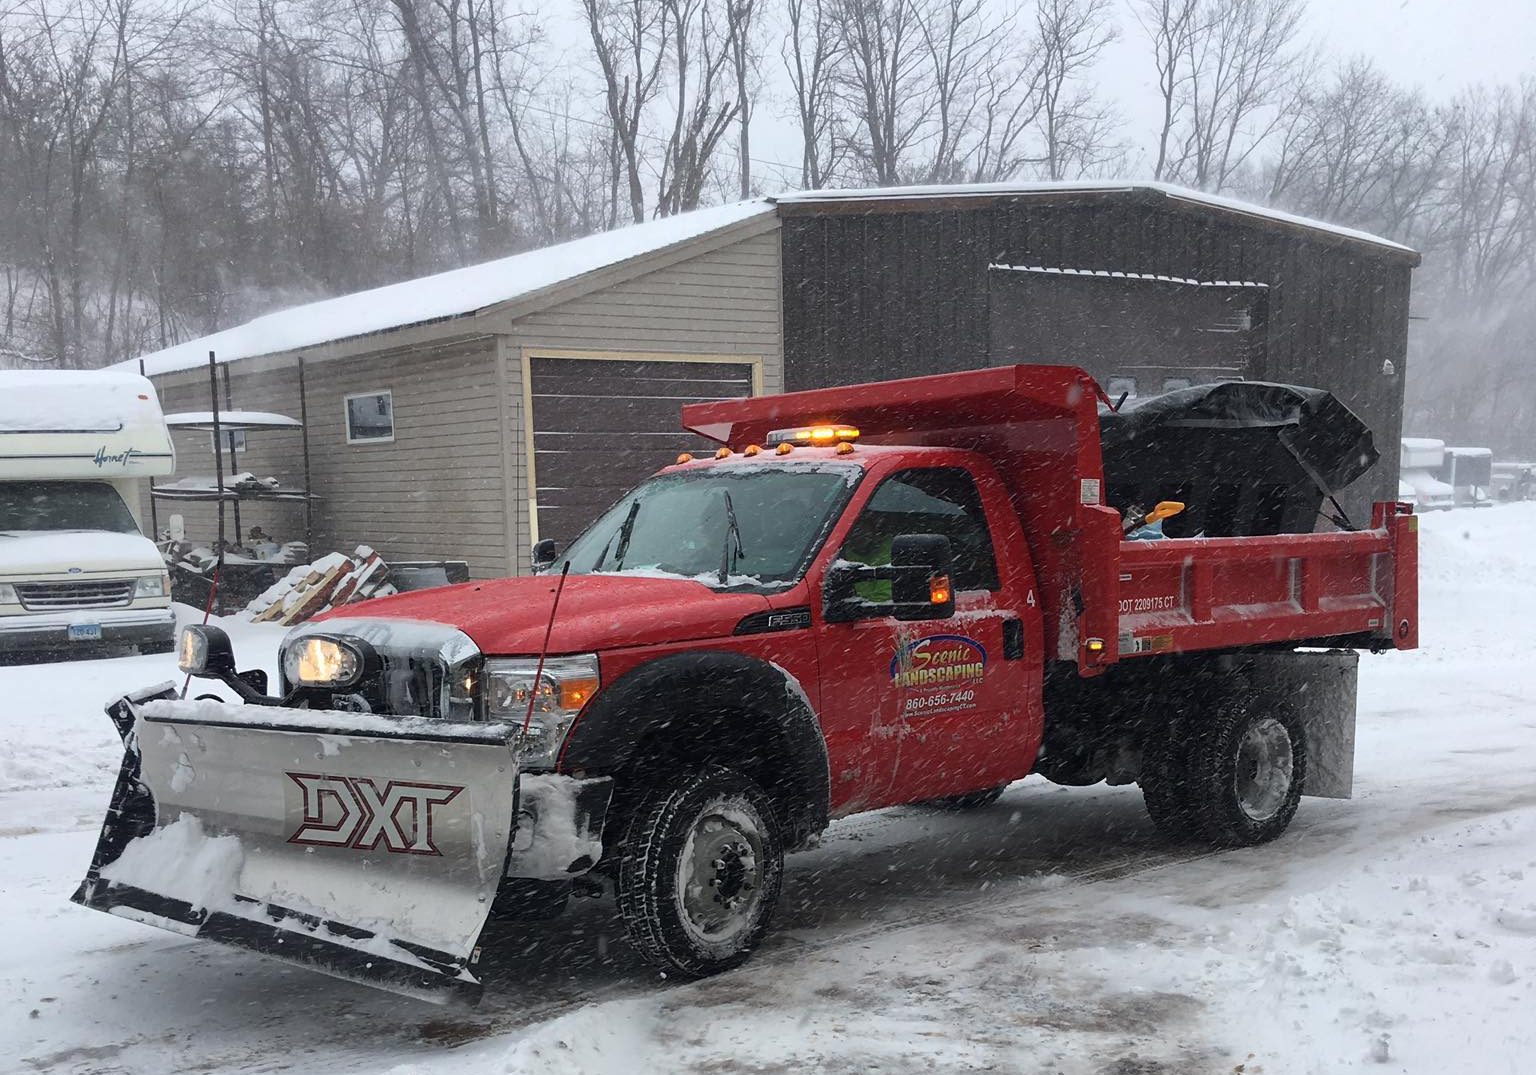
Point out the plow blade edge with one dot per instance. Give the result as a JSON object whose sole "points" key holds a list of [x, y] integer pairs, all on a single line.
{"points": [[367, 847]]}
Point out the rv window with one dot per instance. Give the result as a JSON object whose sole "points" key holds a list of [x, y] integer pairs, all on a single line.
{"points": [[63, 505], [1173, 384], [370, 417]]}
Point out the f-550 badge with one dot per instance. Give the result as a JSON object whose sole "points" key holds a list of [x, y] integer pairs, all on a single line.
{"points": [[353, 811]]}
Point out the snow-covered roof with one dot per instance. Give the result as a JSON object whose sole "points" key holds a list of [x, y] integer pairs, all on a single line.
{"points": [[1159, 277], [446, 294], [465, 291], [1169, 190]]}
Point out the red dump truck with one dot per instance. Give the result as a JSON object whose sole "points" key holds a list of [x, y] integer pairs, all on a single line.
{"points": [[914, 591]]}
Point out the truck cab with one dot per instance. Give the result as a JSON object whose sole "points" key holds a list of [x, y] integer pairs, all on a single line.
{"points": [[75, 567], [904, 592]]}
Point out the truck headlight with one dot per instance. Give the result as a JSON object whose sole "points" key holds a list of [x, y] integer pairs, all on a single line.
{"points": [[152, 586], [566, 685], [317, 661]]}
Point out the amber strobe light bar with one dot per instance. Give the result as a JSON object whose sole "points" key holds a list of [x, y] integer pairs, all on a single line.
{"points": [[826, 435]]}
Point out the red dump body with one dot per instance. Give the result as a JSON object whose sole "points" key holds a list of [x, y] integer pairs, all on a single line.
{"points": [[1105, 599]]}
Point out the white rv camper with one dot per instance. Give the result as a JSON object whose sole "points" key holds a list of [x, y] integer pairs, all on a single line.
{"points": [[1421, 460], [75, 566]]}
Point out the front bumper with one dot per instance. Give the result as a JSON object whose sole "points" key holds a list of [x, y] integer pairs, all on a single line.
{"points": [[559, 831], [119, 626]]}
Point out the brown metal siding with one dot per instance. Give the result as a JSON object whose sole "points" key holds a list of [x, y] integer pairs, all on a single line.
{"points": [[723, 302], [602, 426], [895, 291]]}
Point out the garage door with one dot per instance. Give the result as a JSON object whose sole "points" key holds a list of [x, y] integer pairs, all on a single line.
{"points": [[599, 426], [1144, 334]]}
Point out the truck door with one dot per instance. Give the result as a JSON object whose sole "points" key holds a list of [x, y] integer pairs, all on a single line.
{"points": [[940, 694]]}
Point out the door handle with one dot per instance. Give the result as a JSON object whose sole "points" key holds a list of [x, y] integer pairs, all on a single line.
{"points": [[1013, 640]]}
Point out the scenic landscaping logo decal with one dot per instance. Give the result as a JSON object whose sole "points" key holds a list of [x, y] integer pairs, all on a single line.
{"points": [[940, 672], [939, 661]]}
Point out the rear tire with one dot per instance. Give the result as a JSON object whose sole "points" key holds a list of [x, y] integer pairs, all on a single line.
{"points": [[1165, 781], [700, 869], [1248, 769], [970, 800]]}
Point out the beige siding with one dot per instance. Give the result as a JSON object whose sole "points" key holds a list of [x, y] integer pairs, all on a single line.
{"points": [[455, 476], [724, 302], [435, 492]]}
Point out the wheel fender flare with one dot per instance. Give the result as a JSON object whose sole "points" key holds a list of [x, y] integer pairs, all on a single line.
{"points": [[687, 687]]}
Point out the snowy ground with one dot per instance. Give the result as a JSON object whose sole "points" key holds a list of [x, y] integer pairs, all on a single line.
{"points": [[1050, 932]]}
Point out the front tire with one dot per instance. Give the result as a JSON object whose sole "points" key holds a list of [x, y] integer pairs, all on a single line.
{"points": [[700, 869]]}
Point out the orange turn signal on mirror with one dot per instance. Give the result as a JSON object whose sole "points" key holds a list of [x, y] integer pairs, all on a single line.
{"points": [[938, 590]]}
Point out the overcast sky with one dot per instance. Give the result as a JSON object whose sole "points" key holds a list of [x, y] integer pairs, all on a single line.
{"points": [[1440, 46]]}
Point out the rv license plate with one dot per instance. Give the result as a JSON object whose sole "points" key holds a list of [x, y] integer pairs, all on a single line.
{"points": [[85, 632]]}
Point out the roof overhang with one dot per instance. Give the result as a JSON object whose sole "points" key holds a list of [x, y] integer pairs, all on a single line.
{"points": [[1134, 192]]}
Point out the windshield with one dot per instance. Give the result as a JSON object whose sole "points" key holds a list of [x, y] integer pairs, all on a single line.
{"points": [[735, 526], [63, 505]]}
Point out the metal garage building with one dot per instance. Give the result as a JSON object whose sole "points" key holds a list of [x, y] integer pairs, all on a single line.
{"points": [[465, 415]]}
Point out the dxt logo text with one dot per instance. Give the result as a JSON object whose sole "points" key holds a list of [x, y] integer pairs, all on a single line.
{"points": [[353, 811]]}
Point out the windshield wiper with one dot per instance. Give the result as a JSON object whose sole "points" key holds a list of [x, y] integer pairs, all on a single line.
{"points": [[732, 531], [624, 532]]}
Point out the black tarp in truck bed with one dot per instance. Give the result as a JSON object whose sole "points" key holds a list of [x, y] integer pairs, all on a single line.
{"points": [[1246, 457]]}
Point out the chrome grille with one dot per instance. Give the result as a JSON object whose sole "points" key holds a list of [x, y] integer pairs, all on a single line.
{"points": [[103, 593]]}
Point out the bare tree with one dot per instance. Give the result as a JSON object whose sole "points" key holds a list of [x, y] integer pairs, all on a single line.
{"points": [[741, 17], [883, 81], [1171, 27], [629, 41], [1073, 124], [812, 53], [703, 101], [1243, 64]]}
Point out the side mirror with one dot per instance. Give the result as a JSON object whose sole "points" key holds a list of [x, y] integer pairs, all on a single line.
{"points": [[918, 579], [545, 552], [177, 526], [921, 588]]}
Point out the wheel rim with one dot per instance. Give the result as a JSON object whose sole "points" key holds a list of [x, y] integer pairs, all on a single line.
{"points": [[1265, 763], [720, 875]]}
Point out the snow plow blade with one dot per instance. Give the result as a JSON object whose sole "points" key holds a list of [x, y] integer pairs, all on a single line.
{"points": [[367, 847]]}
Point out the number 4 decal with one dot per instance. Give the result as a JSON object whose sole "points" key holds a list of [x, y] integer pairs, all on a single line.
{"points": [[1030, 600]]}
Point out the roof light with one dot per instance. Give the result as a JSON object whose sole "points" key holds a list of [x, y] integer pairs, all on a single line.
{"points": [[784, 448], [816, 435], [750, 449], [723, 453], [686, 457], [845, 448]]}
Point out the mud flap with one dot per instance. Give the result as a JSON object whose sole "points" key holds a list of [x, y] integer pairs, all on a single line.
{"points": [[367, 847], [1320, 688]]}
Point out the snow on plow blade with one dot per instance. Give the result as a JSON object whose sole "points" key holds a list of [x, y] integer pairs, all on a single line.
{"points": [[367, 847]]}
